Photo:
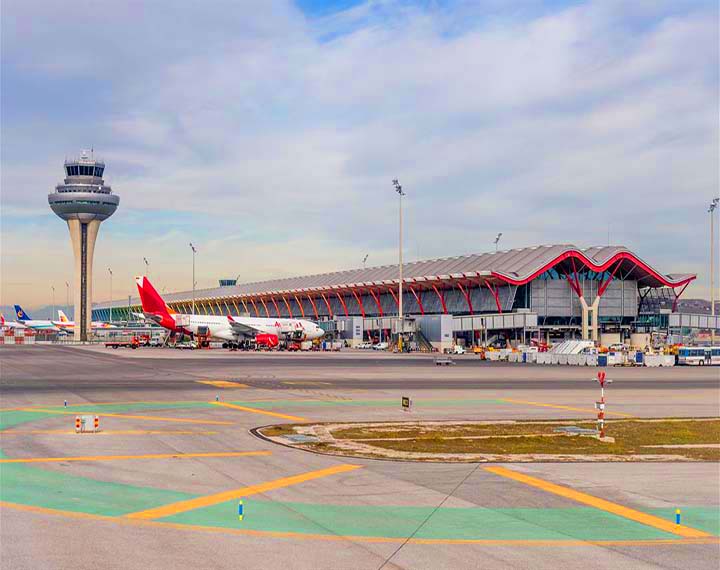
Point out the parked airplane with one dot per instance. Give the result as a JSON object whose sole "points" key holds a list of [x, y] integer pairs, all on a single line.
{"points": [[10, 324], [66, 324], [24, 319], [229, 328]]}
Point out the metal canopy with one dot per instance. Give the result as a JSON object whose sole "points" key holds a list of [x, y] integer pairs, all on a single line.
{"points": [[514, 267]]}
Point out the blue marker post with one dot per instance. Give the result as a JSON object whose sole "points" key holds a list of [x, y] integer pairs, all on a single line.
{"points": [[240, 510], [677, 516], [66, 403]]}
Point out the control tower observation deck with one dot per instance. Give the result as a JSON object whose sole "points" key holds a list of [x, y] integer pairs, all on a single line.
{"points": [[83, 200]]}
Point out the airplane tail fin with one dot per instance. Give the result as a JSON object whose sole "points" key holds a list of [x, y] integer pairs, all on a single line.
{"points": [[20, 314], [2, 320], [151, 300], [63, 316]]}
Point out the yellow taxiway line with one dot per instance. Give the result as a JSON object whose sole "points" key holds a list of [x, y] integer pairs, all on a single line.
{"points": [[105, 432], [199, 502], [256, 411], [602, 504], [124, 457], [370, 539], [222, 383], [560, 407], [132, 417]]}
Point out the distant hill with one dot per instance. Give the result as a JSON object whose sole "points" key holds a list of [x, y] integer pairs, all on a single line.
{"points": [[39, 313]]}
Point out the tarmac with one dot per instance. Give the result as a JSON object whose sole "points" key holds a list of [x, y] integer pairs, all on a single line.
{"points": [[159, 485]]}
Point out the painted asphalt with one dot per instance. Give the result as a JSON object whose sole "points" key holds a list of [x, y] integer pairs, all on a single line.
{"points": [[159, 487]]}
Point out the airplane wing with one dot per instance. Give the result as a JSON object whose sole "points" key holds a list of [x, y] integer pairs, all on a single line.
{"points": [[241, 328]]}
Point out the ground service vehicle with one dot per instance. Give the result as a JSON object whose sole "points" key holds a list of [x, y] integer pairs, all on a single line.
{"points": [[133, 343], [699, 355]]}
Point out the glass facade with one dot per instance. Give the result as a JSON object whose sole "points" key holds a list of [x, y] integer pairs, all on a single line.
{"points": [[84, 170]]}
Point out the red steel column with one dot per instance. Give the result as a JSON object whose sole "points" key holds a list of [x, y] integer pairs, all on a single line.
{"points": [[302, 311], [327, 304], [342, 302], [265, 306], [377, 301], [417, 298], [496, 295], [312, 302], [465, 292], [277, 309], [288, 307], [359, 301], [441, 297]]}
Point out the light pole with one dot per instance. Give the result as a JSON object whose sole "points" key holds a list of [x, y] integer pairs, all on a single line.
{"points": [[67, 295], [497, 239], [53, 300], [365, 259], [147, 267], [111, 274], [194, 251], [711, 210], [400, 193]]}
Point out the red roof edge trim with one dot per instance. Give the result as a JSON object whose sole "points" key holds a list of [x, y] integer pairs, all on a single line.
{"points": [[579, 255]]}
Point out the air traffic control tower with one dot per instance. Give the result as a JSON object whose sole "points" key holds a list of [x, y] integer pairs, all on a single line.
{"points": [[83, 201]]}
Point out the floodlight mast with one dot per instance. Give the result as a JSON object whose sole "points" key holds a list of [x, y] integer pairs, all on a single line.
{"points": [[497, 239], [111, 296], [711, 211], [399, 190], [194, 251]]}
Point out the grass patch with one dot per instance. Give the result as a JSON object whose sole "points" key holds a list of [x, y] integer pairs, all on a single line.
{"points": [[435, 432], [632, 437], [277, 431]]}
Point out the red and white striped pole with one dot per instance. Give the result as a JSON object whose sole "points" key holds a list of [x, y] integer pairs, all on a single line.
{"points": [[601, 404]]}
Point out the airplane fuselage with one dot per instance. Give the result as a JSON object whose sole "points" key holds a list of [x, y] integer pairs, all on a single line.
{"points": [[221, 328], [39, 325], [70, 325]]}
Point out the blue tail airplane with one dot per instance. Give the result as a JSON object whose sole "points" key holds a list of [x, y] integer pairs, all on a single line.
{"points": [[24, 318]]}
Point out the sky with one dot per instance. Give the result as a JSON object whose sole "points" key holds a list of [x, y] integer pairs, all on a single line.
{"points": [[268, 133]]}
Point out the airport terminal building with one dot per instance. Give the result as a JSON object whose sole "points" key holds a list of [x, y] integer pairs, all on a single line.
{"points": [[602, 293]]}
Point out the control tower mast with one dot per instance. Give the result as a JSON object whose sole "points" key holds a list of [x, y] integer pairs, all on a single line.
{"points": [[83, 201]]}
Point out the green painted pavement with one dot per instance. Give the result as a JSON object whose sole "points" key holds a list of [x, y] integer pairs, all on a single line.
{"points": [[703, 518], [581, 523], [394, 403], [10, 418], [55, 490], [128, 407], [15, 417]]}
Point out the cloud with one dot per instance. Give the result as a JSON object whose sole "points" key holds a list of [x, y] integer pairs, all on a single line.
{"points": [[259, 129]]}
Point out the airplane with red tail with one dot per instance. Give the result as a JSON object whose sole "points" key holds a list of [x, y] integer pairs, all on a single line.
{"points": [[230, 329]]}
